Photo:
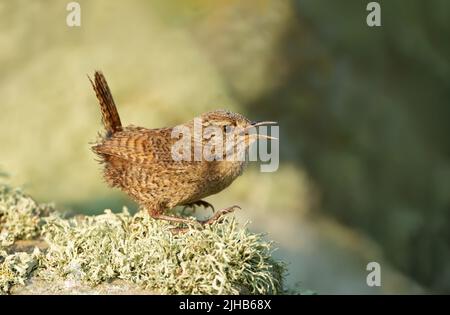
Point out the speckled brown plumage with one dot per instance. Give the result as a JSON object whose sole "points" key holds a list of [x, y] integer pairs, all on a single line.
{"points": [[139, 161]]}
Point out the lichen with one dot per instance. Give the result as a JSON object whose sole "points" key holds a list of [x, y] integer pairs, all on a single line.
{"points": [[223, 258], [21, 217], [16, 268]]}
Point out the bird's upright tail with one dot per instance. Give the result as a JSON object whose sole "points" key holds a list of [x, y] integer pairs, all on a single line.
{"points": [[110, 116]]}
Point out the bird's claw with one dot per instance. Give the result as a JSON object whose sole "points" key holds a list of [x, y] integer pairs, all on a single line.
{"points": [[199, 203], [219, 215], [216, 217]]}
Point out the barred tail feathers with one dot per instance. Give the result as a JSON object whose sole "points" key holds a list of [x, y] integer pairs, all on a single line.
{"points": [[110, 116]]}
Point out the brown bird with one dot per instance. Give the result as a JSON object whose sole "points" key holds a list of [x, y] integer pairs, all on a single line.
{"points": [[140, 161]]}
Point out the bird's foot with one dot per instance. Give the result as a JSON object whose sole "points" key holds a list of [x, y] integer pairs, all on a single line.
{"points": [[216, 217], [219, 215], [199, 203]]}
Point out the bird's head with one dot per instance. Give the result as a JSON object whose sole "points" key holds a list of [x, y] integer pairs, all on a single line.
{"points": [[234, 129]]}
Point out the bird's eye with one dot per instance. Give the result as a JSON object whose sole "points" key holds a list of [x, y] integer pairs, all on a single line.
{"points": [[224, 128]]}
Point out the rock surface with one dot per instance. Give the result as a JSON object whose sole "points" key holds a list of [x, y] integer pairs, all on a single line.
{"points": [[37, 286]]}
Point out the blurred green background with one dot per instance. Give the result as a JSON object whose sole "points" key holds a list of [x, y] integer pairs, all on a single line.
{"points": [[364, 119]]}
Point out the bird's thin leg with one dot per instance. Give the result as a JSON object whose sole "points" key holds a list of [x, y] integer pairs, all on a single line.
{"points": [[219, 215], [172, 218], [216, 217], [169, 218]]}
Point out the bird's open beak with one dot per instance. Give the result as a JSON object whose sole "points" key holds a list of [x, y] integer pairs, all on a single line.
{"points": [[267, 137], [262, 123]]}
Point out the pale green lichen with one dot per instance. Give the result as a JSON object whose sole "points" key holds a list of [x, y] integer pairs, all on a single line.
{"points": [[220, 259], [16, 268], [20, 216]]}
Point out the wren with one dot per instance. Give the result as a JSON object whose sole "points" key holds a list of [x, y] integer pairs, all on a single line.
{"points": [[140, 161]]}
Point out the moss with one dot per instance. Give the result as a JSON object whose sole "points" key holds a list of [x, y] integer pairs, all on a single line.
{"points": [[223, 258]]}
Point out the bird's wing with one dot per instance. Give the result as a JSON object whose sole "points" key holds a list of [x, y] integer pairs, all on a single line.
{"points": [[140, 145]]}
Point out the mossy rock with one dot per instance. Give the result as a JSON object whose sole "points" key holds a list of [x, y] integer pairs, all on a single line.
{"points": [[119, 253]]}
